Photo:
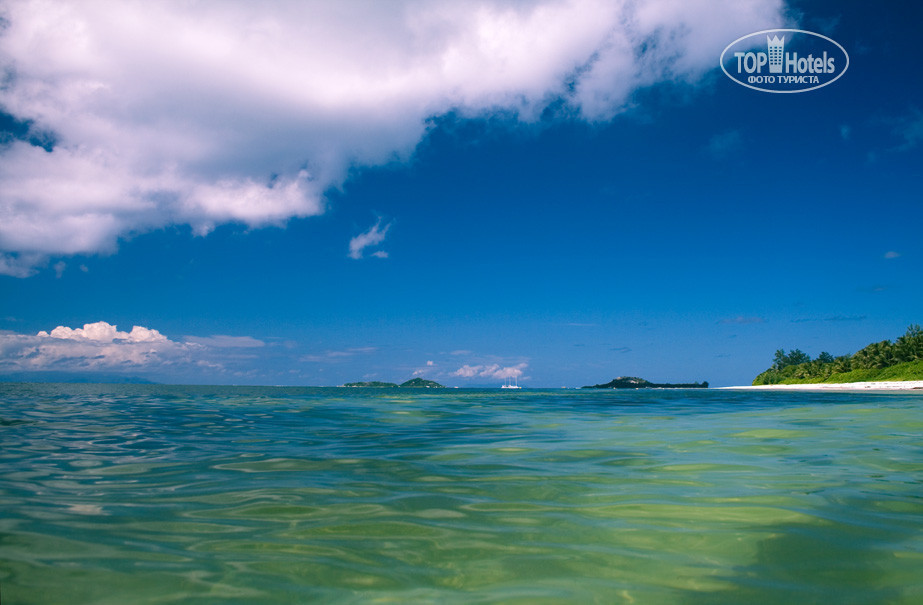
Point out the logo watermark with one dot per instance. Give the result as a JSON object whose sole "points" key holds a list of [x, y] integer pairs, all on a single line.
{"points": [[784, 60]]}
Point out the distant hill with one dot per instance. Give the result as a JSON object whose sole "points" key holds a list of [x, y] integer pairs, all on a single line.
{"points": [[885, 360], [73, 377], [421, 383], [632, 382], [412, 383]]}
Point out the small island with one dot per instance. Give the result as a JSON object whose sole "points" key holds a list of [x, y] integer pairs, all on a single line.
{"points": [[418, 383], [632, 382]]}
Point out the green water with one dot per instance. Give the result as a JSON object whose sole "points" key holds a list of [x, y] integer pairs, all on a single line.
{"points": [[149, 494]]}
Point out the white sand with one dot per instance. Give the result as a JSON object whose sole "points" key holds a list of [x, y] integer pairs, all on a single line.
{"points": [[896, 385]]}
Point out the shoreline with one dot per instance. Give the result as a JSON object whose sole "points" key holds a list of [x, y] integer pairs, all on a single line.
{"points": [[892, 385]]}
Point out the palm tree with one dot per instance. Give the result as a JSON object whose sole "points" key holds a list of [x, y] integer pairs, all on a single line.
{"points": [[909, 347], [842, 364]]}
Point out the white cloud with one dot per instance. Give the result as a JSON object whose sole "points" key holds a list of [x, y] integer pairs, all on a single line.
{"points": [[422, 371], [211, 112], [490, 371], [101, 346], [891, 254], [467, 371], [373, 237], [95, 346], [105, 332], [20, 264], [329, 356]]}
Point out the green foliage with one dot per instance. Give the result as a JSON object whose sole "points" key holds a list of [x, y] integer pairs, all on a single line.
{"points": [[900, 360], [910, 370], [633, 382], [825, 357], [422, 383], [782, 359], [413, 382]]}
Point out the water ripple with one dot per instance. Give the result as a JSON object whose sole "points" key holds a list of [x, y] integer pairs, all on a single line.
{"points": [[146, 494]]}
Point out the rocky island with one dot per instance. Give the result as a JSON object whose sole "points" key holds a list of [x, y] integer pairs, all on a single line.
{"points": [[420, 383], [632, 382], [412, 383]]}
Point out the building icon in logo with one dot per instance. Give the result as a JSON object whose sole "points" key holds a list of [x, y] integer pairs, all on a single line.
{"points": [[776, 45]]}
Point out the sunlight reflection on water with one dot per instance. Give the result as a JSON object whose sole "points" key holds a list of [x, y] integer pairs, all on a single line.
{"points": [[140, 494]]}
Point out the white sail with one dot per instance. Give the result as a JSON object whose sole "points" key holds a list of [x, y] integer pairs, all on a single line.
{"points": [[511, 383]]}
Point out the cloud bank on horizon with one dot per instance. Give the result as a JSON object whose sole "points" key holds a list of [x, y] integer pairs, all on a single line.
{"points": [[493, 370], [102, 347], [133, 116], [95, 346]]}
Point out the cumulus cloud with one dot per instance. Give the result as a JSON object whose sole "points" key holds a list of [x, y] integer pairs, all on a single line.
{"points": [[102, 346], [373, 237], [95, 346], [490, 371], [103, 332], [142, 115], [422, 371]]}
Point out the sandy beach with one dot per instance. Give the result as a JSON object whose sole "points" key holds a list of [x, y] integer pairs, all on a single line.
{"points": [[897, 385]]}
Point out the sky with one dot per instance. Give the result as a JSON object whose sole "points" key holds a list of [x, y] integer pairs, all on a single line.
{"points": [[558, 192]]}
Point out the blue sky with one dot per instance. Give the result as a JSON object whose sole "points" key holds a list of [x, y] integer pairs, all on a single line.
{"points": [[564, 193]]}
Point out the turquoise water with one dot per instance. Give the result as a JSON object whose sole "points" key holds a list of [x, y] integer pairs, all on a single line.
{"points": [[153, 494]]}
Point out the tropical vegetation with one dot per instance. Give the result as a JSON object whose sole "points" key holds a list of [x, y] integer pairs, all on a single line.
{"points": [[412, 383], [885, 360], [633, 382], [422, 383]]}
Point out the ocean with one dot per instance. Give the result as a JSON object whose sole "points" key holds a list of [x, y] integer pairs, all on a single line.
{"points": [[129, 494]]}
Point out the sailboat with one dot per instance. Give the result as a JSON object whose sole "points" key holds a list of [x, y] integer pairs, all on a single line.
{"points": [[511, 383]]}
